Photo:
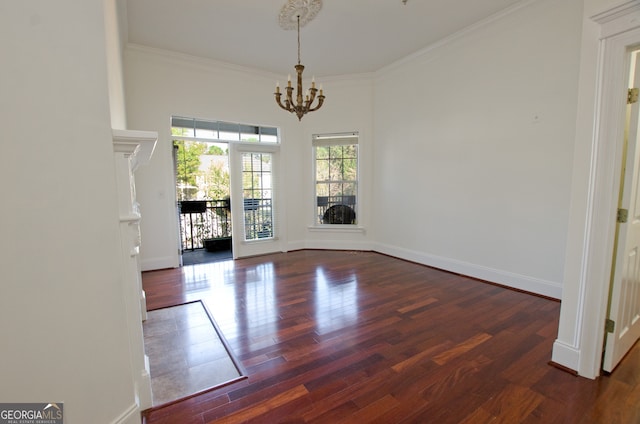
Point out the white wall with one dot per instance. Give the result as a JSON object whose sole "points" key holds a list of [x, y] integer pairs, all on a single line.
{"points": [[161, 84], [62, 314], [470, 140], [473, 149], [348, 108]]}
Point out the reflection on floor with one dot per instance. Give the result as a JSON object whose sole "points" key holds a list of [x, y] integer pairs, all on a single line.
{"points": [[202, 256], [186, 355]]}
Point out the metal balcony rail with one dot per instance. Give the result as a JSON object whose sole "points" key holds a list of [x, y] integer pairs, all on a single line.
{"points": [[202, 220], [336, 209], [258, 214]]}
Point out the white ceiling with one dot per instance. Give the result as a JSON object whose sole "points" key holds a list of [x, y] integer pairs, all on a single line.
{"points": [[346, 36]]}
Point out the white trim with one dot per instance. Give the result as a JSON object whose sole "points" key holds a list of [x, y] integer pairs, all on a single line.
{"points": [[336, 228], [245, 147], [196, 61], [294, 245], [504, 278], [140, 144], [131, 149], [163, 262], [364, 246], [132, 217], [618, 19], [516, 281], [584, 268], [603, 189], [199, 62], [143, 384], [260, 240], [456, 36], [619, 29], [130, 416], [337, 139], [565, 355]]}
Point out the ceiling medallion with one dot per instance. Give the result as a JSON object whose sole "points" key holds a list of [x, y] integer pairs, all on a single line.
{"points": [[305, 9]]}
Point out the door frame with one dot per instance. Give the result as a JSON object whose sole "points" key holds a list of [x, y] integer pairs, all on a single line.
{"points": [[584, 302], [174, 160]]}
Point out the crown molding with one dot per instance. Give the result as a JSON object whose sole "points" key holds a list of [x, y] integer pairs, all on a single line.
{"points": [[185, 59], [618, 19], [621, 10], [455, 36], [200, 62]]}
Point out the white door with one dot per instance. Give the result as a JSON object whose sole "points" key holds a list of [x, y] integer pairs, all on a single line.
{"points": [[256, 228], [624, 297]]}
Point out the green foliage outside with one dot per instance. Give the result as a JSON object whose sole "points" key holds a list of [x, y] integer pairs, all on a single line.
{"points": [[214, 182], [254, 167], [216, 151], [217, 182], [187, 167], [336, 170]]}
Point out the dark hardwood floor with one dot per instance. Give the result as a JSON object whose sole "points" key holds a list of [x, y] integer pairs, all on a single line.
{"points": [[359, 337]]}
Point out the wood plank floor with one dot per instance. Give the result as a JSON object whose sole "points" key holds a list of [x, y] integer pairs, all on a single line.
{"points": [[359, 337]]}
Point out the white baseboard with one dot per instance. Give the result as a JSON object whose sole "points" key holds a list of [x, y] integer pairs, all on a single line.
{"points": [[565, 355], [505, 278], [517, 281], [337, 245], [143, 387], [151, 264], [294, 245], [131, 416]]}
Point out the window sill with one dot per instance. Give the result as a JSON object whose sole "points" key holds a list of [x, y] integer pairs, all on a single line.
{"points": [[336, 228], [260, 240]]}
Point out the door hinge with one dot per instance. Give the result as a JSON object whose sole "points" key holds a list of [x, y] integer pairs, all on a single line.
{"points": [[623, 215], [609, 325], [632, 95]]}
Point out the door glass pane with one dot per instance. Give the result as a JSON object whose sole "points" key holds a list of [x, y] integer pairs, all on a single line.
{"points": [[257, 193]]}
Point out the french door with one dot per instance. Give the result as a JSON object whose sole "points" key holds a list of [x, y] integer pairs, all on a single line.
{"points": [[254, 199]]}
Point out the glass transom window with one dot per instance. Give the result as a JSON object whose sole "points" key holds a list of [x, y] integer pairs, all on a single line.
{"points": [[226, 131]]}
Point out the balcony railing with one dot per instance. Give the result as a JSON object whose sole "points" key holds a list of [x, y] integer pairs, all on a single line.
{"points": [[258, 215], [336, 209], [202, 220]]}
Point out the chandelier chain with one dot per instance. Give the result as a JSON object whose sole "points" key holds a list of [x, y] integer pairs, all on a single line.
{"points": [[304, 100], [298, 39]]}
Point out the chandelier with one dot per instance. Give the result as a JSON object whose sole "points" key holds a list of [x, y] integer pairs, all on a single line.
{"points": [[303, 100]]}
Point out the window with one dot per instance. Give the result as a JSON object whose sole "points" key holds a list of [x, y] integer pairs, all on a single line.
{"points": [[336, 178], [223, 131], [257, 194]]}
